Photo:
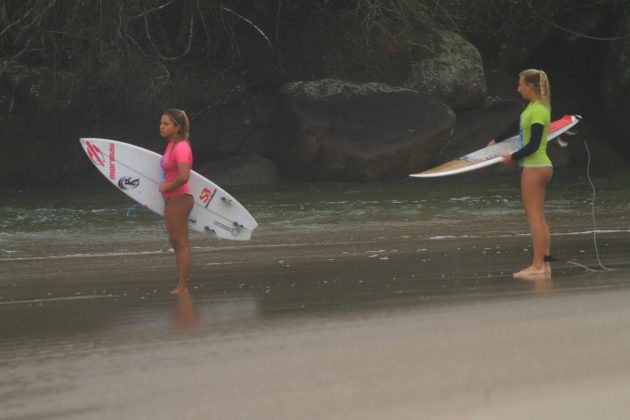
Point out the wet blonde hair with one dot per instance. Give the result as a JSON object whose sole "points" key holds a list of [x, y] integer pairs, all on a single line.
{"points": [[180, 118], [539, 80]]}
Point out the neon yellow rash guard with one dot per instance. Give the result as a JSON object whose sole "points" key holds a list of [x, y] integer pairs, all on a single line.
{"points": [[535, 113]]}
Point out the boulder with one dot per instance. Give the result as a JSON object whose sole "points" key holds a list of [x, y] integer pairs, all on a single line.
{"points": [[33, 103], [452, 74], [336, 130], [239, 127], [475, 128], [616, 91], [438, 63]]}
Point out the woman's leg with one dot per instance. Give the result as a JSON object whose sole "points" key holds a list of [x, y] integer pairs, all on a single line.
{"points": [[533, 185], [176, 212]]}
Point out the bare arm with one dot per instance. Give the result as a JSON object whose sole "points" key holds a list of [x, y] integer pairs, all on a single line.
{"points": [[183, 175]]}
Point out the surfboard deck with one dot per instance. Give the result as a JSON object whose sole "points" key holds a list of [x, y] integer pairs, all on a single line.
{"points": [[137, 172], [491, 155]]}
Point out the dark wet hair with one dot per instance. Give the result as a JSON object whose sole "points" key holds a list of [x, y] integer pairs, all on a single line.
{"points": [[180, 118]]}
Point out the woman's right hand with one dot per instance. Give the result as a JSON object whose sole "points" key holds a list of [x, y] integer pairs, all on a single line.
{"points": [[491, 142]]}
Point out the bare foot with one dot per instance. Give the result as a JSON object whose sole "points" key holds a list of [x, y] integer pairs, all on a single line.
{"points": [[179, 290], [532, 270]]}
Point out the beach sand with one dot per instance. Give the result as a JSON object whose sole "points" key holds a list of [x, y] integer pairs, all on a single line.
{"points": [[369, 324]]}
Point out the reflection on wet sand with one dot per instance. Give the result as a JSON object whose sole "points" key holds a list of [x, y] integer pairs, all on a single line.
{"points": [[541, 283], [186, 315]]}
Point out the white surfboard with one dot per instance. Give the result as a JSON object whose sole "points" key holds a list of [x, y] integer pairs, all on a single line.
{"points": [[137, 173], [491, 155]]}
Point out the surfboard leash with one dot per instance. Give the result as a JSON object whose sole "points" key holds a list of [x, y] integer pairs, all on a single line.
{"points": [[133, 209], [590, 181], [549, 258]]}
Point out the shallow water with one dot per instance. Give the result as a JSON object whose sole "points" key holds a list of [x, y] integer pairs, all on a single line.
{"points": [[334, 246], [56, 224], [84, 281]]}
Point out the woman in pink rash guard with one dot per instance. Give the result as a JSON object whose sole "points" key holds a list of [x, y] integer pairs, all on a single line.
{"points": [[178, 201]]}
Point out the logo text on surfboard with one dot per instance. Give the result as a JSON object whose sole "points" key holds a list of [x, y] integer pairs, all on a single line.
{"points": [[112, 161], [206, 195], [233, 231], [95, 154], [128, 183]]}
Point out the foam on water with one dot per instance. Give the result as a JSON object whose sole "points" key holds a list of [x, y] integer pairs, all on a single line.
{"points": [[74, 224]]}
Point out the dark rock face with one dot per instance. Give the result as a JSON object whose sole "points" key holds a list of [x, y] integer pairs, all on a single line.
{"points": [[32, 105], [475, 128], [453, 74], [242, 170], [436, 63], [616, 89], [331, 129], [323, 130]]}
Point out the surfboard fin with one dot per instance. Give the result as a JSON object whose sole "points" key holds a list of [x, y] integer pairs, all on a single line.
{"points": [[133, 210], [562, 143]]}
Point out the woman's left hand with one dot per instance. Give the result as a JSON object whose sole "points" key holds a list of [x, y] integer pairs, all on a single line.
{"points": [[507, 158], [163, 187]]}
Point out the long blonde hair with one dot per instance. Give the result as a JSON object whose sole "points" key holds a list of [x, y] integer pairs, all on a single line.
{"points": [[539, 80]]}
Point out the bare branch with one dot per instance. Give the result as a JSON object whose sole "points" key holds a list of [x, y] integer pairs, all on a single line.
{"points": [[155, 9], [252, 24], [16, 22], [188, 47]]}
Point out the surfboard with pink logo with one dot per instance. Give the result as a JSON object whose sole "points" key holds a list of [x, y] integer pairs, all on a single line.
{"points": [[491, 155], [137, 172]]}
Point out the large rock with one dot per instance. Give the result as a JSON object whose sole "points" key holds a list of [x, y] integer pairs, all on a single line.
{"points": [[33, 105], [335, 130], [438, 63], [616, 91], [242, 170], [452, 74], [241, 126], [475, 128]]}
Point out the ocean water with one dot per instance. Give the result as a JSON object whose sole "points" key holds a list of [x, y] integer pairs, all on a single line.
{"points": [[66, 223]]}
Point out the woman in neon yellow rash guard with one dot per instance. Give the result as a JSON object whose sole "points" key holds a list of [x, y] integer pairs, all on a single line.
{"points": [[533, 126]]}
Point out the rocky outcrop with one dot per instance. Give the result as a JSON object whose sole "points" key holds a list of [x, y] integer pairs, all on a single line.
{"points": [[453, 73], [474, 129], [32, 105], [616, 91], [395, 118], [331, 129], [437, 63], [237, 128]]}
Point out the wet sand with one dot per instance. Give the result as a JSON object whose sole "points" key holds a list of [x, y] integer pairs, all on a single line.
{"points": [[374, 323]]}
